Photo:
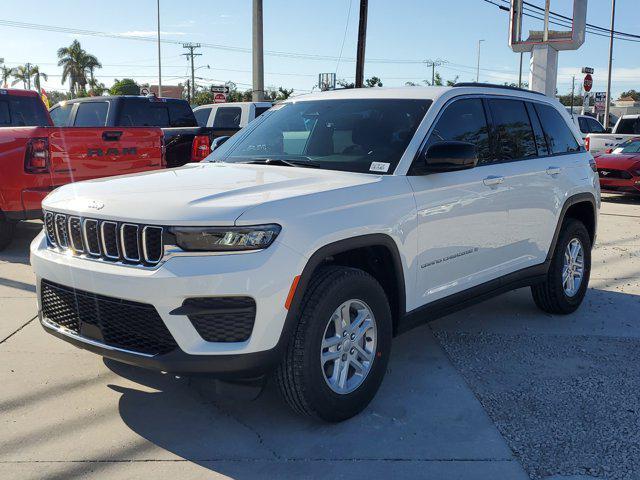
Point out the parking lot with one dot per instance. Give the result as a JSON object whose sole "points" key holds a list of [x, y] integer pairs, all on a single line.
{"points": [[500, 390]]}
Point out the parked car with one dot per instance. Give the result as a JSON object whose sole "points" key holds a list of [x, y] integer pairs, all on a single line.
{"points": [[619, 171], [628, 126], [184, 140], [306, 242], [229, 116], [35, 158], [587, 124]]}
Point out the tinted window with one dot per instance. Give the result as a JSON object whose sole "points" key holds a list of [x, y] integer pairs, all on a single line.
{"points": [[22, 111], [261, 110], [180, 114], [630, 146], [464, 121], [60, 114], [560, 139], [143, 113], [227, 117], [514, 135], [584, 125], [541, 142], [202, 115], [91, 114], [595, 126], [629, 126], [356, 135]]}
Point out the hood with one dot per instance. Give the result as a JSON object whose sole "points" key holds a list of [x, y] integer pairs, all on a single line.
{"points": [[196, 194], [619, 161]]}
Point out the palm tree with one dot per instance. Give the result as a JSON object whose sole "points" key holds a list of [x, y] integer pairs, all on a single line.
{"points": [[37, 74], [22, 74], [6, 73], [75, 63]]}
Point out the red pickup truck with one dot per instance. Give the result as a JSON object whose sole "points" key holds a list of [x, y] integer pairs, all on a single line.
{"points": [[36, 157]]}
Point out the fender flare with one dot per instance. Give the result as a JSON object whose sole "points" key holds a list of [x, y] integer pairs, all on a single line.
{"points": [[572, 200]]}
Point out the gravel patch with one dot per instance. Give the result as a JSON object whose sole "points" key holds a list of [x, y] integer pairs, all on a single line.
{"points": [[567, 405]]}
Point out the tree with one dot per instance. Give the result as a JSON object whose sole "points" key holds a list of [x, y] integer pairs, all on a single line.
{"points": [[631, 93], [373, 82], [37, 74], [284, 93], [126, 86], [76, 63], [21, 74], [6, 74]]}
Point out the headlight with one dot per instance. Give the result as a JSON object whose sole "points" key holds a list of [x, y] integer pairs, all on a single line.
{"points": [[225, 239]]}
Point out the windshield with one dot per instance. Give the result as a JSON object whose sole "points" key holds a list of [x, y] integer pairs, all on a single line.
{"points": [[363, 135], [630, 146]]}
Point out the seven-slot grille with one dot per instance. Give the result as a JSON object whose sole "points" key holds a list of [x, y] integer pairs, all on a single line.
{"points": [[112, 241]]}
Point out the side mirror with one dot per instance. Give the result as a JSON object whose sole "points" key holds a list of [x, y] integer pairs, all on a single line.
{"points": [[217, 142], [450, 156]]}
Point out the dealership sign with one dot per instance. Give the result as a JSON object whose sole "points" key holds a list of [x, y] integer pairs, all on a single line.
{"points": [[600, 101]]}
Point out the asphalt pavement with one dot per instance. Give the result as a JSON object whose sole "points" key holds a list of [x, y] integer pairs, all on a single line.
{"points": [[498, 391]]}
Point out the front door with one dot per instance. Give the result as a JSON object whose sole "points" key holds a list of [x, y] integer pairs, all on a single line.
{"points": [[462, 215]]}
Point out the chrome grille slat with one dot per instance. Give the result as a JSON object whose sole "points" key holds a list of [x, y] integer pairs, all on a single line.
{"points": [[127, 243]]}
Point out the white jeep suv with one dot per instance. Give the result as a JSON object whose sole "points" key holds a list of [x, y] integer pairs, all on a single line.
{"points": [[324, 228]]}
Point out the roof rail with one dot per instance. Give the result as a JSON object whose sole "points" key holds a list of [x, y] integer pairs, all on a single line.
{"points": [[493, 85]]}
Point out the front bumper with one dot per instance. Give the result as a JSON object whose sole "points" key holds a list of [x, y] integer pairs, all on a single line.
{"points": [[265, 276], [619, 185]]}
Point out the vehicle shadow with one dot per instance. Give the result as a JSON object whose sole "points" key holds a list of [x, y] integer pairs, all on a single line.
{"points": [[621, 199], [424, 409], [18, 250]]}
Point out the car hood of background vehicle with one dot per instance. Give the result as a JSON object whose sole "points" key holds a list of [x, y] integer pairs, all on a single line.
{"points": [[620, 161], [196, 194]]}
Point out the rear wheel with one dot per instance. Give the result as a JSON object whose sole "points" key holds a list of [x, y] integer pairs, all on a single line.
{"points": [[568, 275], [336, 360], [7, 227]]}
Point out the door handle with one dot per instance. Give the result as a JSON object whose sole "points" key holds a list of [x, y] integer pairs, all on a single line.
{"points": [[111, 136], [493, 180], [553, 170]]}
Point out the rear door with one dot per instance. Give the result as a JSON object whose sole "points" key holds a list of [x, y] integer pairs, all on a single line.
{"points": [[79, 153], [539, 182], [462, 215]]}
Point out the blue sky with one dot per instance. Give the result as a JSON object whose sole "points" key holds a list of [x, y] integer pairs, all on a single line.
{"points": [[406, 30]]}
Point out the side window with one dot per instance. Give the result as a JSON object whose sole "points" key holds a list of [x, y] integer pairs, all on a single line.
{"points": [[60, 114], [541, 142], [91, 114], [180, 114], [559, 136], [512, 129], [595, 126], [141, 112], [584, 125], [227, 117], [628, 126], [464, 121], [5, 118], [202, 116]]}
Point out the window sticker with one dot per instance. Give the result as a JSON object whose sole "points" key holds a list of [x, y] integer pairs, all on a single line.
{"points": [[379, 167]]}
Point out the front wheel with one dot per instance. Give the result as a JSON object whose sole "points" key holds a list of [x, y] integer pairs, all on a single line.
{"points": [[335, 362], [569, 271]]}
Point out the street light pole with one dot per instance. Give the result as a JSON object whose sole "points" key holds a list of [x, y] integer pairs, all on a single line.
{"points": [[478, 67], [606, 107], [159, 60]]}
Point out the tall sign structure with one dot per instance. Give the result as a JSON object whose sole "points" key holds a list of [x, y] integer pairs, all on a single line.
{"points": [[545, 44]]}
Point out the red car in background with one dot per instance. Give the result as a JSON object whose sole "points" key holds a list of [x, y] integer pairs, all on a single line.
{"points": [[619, 171]]}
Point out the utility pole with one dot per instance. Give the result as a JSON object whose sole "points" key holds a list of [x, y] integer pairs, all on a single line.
{"points": [[28, 67], [258, 53], [159, 59], [478, 67], [191, 47], [573, 89], [606, 107], [362, 41], [433, 64]]}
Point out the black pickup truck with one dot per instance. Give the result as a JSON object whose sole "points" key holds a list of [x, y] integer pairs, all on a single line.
{"points": [[184, 140]]}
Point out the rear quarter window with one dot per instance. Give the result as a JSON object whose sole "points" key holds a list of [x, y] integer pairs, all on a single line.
{"points": [[559, 136], [143, 113]]}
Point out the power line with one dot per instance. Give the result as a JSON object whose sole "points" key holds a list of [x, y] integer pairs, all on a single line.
{"points": [[344, 37]]}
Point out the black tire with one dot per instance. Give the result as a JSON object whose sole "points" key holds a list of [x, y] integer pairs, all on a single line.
{"points": [[300, 376], [7, 228], [550, 295]]}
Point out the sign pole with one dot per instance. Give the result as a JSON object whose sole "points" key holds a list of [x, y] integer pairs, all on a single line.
{"points": [[606, 107]]}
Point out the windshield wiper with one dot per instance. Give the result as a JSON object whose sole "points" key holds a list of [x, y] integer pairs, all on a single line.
{"points": [[282, 162]]}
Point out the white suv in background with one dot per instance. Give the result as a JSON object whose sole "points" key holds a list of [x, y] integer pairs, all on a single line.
{"points": [[327, 226]]}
